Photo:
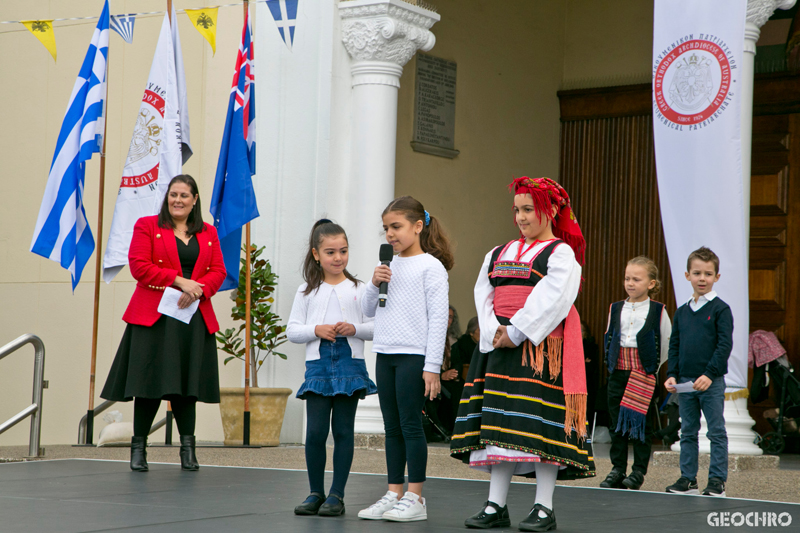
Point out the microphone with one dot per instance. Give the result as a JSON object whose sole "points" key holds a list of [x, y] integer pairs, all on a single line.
{"points": [[386, 254]]}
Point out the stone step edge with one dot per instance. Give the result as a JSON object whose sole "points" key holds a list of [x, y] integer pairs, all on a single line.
{"points": [[736, 463]]}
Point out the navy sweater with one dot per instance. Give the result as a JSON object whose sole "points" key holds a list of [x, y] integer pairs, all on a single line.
{"points": [[701, 341]]}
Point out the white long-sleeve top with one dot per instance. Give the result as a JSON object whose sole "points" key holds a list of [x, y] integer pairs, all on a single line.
{"points": [[631, 321], [308, 312], [414, 320], [547, 305]]}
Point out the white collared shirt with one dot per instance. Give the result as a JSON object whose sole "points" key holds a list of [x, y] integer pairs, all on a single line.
{"points": [[631, 321], [310, 310], [702, 300]]}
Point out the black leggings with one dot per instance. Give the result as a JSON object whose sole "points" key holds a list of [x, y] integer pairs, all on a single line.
{"points": [[145, 409], [319, 421], [401, 391]]}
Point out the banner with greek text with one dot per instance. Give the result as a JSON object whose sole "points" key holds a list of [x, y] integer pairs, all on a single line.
{"points": [[159, 147], [697, 63]]}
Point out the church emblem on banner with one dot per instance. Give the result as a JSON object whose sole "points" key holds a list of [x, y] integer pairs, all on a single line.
{"points": [[692, 81], [141, 167]]}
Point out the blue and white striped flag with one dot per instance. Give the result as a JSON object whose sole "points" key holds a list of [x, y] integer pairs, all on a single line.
{"points": [[285, 14], [123, 25], [62, 233]]}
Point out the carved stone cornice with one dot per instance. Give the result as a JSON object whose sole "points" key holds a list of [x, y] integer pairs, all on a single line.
{"points": [[386, 30], [759, 11]]}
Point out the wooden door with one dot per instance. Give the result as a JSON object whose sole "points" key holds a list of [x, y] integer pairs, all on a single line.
{"points": [[775, 235]]}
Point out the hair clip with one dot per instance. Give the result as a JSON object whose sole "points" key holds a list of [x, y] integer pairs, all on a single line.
{"points": [[427, 218]]}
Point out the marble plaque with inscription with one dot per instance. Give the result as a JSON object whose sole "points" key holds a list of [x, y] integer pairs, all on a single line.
{"points": [[435, 106]]}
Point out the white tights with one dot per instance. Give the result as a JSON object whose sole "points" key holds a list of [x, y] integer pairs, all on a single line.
{"points": [[500, 482]]}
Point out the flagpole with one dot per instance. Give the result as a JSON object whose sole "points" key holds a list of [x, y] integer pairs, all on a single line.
{"points": [[248, 356], [97, 270]]}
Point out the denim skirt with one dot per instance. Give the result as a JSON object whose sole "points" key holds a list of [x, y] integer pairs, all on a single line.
{"points": [[336, 372]]}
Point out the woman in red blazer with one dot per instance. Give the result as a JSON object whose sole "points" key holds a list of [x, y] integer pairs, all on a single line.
{"points": [[161, 357]]}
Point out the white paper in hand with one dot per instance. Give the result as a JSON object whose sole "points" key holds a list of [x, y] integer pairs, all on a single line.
{"points": [[169, 306], [684, 387]]}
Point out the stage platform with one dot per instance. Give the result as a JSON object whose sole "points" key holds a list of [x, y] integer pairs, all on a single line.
{"points": [[74, 495]]}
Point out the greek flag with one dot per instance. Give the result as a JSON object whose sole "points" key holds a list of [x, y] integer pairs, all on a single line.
{"points": [[62, 233], [123, 25], [285, 14]]}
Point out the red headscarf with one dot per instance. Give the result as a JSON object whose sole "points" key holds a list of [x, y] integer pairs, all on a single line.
{"points": [[546, 193]]}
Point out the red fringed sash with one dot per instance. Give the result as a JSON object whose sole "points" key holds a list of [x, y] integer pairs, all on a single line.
{"points": [[564, 350]]}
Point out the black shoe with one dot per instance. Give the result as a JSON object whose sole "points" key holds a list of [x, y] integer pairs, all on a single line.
{"points": [[634, 481], [534, 522], [484, 520], [614, 480], [333, 506], [188, 458], [715, 487], [684, 486], [139, 454], [311, 504]]}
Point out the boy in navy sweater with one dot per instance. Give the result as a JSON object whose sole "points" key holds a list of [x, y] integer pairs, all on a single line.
{"points": [[701, 342]]}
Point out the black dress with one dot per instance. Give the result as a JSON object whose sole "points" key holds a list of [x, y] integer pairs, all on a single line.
{"points": [[169, 358], [504, 404]]}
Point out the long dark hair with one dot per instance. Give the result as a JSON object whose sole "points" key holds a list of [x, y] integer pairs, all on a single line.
{"points": [[194, 224], [433, 238], [312, 271]]}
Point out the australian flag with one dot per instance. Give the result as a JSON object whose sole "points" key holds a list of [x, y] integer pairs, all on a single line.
{"points": [[233, 203]]}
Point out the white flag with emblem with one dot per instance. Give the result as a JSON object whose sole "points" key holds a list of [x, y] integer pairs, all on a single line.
{"points": [[698, 48], [159, 147]]}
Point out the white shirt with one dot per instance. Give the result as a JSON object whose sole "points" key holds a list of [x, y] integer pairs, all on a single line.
{"points": [[547, 305], [415, 318], [310, 310], [631, 321], [702, 300]]}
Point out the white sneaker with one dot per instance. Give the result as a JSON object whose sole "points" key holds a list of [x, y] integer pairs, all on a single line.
{"points": [[377, 509], [410, 508]]}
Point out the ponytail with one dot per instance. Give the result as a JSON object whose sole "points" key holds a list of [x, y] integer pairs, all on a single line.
{"points": [[312, 271], [433, 239]]}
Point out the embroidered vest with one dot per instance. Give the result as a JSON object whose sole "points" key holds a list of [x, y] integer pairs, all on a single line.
{"points": [[513, 281], [648, 339]]}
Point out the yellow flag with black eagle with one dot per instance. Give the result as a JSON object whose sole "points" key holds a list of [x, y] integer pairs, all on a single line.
{"points": [[205, 21], [43, 30]]}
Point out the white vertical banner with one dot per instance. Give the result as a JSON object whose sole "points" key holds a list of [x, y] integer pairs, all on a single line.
{"points": [[159, 147], [698, 48]]}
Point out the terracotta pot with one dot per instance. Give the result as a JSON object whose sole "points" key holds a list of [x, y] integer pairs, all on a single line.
{"points": [[267, 407]]}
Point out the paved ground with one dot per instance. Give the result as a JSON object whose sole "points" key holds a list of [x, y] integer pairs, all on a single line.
{"points": [[781, 484]]}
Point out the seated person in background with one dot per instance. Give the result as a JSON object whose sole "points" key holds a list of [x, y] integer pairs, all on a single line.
{"points": [[453, 327], [591, 358], [453, 374], [464, 347]]}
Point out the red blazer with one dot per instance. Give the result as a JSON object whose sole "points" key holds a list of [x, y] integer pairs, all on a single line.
{"points": [[154, 262]]}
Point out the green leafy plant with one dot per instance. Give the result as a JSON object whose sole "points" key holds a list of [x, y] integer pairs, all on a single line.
{"points": [[265, 331]]}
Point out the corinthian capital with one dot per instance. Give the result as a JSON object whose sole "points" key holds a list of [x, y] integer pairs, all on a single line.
{"points": [[759, 11], [386, 30]]}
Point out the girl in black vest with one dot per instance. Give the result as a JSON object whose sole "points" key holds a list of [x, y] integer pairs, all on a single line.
{"points": [[636, 342]]}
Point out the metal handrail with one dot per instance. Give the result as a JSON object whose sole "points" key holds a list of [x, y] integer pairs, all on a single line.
{"points": [[35, 409], [102, 407], [82, 424]]}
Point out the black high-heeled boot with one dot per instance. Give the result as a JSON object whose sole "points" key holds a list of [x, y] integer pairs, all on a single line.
{"points": [[139, 454], [188, 458]]}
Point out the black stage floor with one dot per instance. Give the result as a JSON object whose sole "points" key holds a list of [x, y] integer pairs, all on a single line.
{"points": [[88, 496]]}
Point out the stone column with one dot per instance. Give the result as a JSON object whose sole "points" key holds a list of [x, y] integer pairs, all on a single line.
{"points": [[738, 422], [380, 36]]}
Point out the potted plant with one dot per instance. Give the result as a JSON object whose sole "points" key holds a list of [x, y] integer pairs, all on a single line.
{"points": [[267, 405]]}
